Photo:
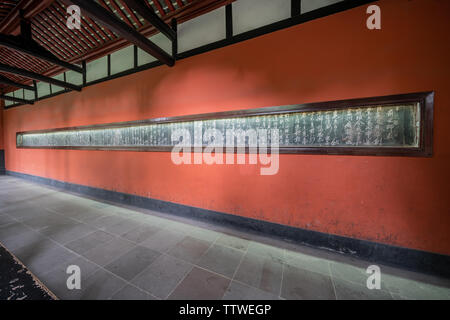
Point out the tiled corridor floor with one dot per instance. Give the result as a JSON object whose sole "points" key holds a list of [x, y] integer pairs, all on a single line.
{"points": [[130, 253]]}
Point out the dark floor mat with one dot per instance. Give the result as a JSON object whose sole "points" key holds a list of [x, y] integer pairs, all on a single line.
{"points": [[16, 282]]}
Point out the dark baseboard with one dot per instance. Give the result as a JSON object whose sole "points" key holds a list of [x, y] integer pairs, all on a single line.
{"points": [[2, 162], [411, 259]]}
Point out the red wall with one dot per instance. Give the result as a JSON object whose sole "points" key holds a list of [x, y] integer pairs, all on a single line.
{"points": [[1, 124], [393, 200]]}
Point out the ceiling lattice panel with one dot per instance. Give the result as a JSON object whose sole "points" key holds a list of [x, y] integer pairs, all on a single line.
{"points": [[93, 40], [6, 6]]}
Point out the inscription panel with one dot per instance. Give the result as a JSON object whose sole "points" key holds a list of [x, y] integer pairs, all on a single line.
{"points": [[396, 125]]}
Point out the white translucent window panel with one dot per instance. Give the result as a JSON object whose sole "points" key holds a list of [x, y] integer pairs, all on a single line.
{"points": [[252, 14], [122, 60], [43, 89], [161, 41], [97, 69], [310, 5], [29, 94], [202, 30], [56, 89], [144, 57], [74, 77], [18, 93], [7, 102]]}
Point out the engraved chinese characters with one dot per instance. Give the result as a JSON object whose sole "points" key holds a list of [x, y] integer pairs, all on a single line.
{"points": [[374, 126]]}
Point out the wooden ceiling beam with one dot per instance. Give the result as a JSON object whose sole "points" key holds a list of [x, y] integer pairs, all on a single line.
{"points": [[151, 17], [9, 82], [32, 48], [36, 76], [109, 20], [191, 10], [14, 99], [11, 23]]}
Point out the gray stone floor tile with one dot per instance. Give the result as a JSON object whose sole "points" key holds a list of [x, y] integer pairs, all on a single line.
{"points": [[266, 251], [67, 232], [351, 291], [233, 242], [68, 207], [133, 262], [89, 241], [163, 240], [109, 251], [307, 262], [151, 219], [300, 284], [99, 205], [28, 212], [177, 227], [200, 284], [143, 245], [121, 227], [203, 234], [87, 268], [389, 273], [88, 216], [56, 279], [435, 292], [39, 262], [410, 289], [162, 276], [240, 291], [140, 233], [348, 272], [260, 272], [189, 249], [130, 292], [23, 239], [106, 221], [23, 211], [45, 220], [101, 285], [5, 219], [222, 260], [12, 230], [39, 246]]}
